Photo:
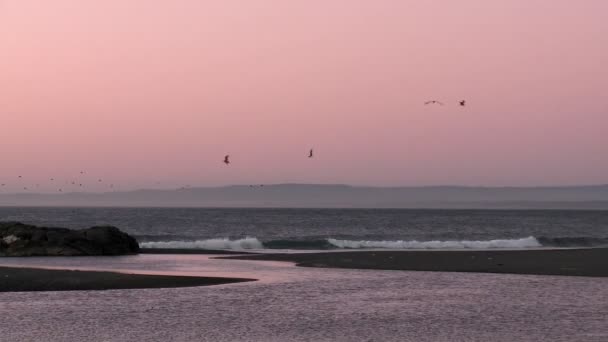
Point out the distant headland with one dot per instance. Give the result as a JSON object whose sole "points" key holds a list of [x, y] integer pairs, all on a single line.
{"points": [[332, 196]]}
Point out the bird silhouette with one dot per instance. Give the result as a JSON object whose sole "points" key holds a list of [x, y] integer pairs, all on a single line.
{"points": [[310, 154], [433, 102], [227, 159], [462, 103]]}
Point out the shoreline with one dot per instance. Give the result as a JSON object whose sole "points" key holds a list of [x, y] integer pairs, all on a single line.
{"points": [[192, 251], [25, 279], [586, 262]]}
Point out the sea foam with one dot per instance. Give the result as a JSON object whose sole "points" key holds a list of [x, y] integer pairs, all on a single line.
{"points": [[246, 243], [254, 243], [528, 242]]}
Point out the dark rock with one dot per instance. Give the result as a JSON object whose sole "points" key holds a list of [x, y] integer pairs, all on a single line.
{"points": [[18, 239]]}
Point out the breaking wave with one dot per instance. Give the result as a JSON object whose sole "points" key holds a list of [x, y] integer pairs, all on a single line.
{"points": [[324, 244], [246, 243], [529, 242]]}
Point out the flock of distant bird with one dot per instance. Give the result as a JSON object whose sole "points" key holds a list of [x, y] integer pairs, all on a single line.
{"points": [[226, 161], [67, 182]]}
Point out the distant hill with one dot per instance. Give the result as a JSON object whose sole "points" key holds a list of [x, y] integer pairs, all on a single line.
{"points": [[332, 196]]}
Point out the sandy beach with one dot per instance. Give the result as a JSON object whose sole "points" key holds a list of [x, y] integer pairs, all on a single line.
{"points": [[17, 279], [590, 262]]}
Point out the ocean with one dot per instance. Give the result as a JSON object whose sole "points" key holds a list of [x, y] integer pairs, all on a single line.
{"points": [[322, 229]]}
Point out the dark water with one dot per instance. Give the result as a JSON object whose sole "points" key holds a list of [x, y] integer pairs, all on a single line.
{"points": [[333, 228], [307, 304]]}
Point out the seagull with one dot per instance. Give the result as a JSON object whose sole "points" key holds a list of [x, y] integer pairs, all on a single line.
{"points": [[433, 102], [462, 103], [310, 154], [226, 159]]}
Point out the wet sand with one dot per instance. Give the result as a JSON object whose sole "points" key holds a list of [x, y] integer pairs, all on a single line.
{"points": [[14, 279], [591, 262]]}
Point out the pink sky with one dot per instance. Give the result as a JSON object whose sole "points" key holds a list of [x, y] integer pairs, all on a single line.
{"points": [[138, 92]]}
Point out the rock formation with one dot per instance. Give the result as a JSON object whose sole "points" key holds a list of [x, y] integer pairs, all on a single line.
{"points": [[18, 239]]}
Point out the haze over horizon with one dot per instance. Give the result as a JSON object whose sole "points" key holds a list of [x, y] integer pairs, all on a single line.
{"points": [[154, 94], [327, 196]]}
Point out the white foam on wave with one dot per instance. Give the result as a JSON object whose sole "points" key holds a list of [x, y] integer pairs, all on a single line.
{"points": [[528, 242], [246, 243]]}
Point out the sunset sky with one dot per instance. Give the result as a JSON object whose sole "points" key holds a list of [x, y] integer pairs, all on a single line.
{"points": [[140, 92]]}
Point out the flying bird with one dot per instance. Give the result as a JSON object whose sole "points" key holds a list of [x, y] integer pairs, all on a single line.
{"points": [[462, 103], [433, 102], [227, 159], [310, 154]]}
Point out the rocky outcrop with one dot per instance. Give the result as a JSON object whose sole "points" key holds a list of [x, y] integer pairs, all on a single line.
{"points": [[18, 239]]}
